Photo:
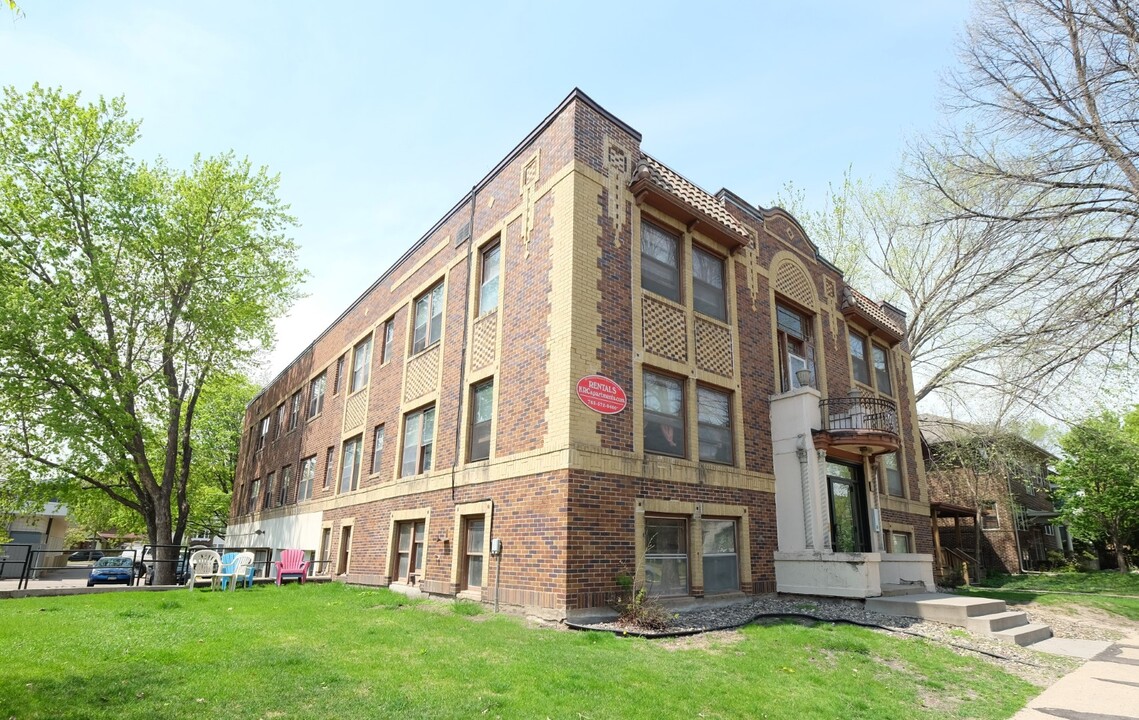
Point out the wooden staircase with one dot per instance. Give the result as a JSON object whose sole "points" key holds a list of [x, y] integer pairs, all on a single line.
{"points": [[979, 615]]}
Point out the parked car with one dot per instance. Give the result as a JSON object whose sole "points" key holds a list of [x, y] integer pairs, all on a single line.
{"points": [[112, 571], [85, 556]]}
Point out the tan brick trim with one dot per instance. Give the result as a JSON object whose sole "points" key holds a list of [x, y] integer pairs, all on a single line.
{"points": [[694, 512]]}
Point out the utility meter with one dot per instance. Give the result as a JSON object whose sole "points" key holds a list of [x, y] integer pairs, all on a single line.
{"points": [[495, 547]]}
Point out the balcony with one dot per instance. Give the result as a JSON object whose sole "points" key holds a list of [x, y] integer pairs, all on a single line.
{"points": [[856, 423]]}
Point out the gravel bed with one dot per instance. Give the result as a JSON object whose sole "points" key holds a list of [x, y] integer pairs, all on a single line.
{"points": [[1039, 668]]}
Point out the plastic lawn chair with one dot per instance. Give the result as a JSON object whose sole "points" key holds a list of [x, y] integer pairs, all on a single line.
{"points": [[292, 564]]}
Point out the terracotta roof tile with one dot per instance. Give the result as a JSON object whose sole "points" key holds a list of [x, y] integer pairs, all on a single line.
{"points": [[852, 297], [687, 191]]}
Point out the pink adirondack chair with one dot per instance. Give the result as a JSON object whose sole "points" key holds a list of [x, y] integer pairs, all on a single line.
{"points": [[292, 564]]}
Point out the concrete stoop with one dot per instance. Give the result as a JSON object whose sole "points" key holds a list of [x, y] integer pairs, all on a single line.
{"points": [[979, 615]]}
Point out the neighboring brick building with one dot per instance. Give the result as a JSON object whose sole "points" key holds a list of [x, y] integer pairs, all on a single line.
{"points": [[1005, 477], [442, 410]]}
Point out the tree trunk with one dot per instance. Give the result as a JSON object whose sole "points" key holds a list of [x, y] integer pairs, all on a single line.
{"points": [[161, 536]]}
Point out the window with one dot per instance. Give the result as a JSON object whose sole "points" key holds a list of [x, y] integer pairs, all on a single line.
{"points": [[793, 330], [666, 556], [308, 475], [264, 434], [428, 319], [664, 415], [881, 360], [721, 564], [350, 464], [1050, 530], [280, 421], [409, 559], [482, 408], [339, 374], [714, 411], [361, 364], [708, 284], [660, 262], [899, 542], [858, 358], [488, 290], [268, 501], [286, 483], [389, 338], [418, 437], [329, 466], [893, 475], [990, 520], [254, 494], [295, 411], [316, 395], [1021, 518], [325, 552], [473, 549], [377, 447]]}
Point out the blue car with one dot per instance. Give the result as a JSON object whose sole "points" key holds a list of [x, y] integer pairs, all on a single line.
{"points": [[112, 571]]}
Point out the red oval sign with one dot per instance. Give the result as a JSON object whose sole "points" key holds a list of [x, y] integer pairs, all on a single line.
{"points": [[601, 394]]}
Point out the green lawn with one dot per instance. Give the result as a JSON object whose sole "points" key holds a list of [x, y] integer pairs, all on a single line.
{"points": [[334, 651], [1107, 581]]}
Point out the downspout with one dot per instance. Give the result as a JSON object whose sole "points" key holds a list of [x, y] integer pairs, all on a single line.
{"points": [[872, 462], [463, 352]]}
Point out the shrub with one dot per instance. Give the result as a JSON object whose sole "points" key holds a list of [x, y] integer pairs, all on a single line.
{"points": [[636, 608]]}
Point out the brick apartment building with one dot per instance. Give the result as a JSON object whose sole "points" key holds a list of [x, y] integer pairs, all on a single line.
{"points": [[612, 372], [1004, 478]]}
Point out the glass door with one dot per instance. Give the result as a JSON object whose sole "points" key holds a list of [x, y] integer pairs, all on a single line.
{"points": [[848, 508]]}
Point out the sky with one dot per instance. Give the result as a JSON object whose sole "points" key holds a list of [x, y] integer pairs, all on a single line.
{"points": [[380, 116]]}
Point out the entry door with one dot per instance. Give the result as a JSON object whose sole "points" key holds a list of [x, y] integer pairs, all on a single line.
{"points": [[848, 508], [345, 550]]}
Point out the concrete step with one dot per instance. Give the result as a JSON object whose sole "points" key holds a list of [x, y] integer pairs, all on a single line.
{"points": [[1023, 635], [951, 609], [900, 589], [996, 621]]}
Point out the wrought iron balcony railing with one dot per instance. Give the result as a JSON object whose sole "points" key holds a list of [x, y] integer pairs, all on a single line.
{"points": [[859, 414]]}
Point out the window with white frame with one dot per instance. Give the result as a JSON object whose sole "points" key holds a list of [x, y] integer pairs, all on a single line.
{"points": [[263, 435], [666, 555], [714, 413], [428, 319], [858, 357], [389, 340], [894, 485], [254, 494], [489, 273], [286, 484], [267, 501], [361, 364], [474, 529], [339, 374], [409, 556], [660, 261], [350, 464], [418, 441], [308, 476], [316, 395], [663, 415], [721, 560], [295, 411], [377, 448], [281, 416], [796, 352], [329, 466], [482, 412], [708, 296], [899, 542]]}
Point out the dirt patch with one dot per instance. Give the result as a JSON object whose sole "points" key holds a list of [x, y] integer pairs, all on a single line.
{"points": [[709, 641]]}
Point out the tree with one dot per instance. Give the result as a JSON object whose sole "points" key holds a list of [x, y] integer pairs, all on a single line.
{"points": [[1046, 151], [1098, 480], [125, 287]]}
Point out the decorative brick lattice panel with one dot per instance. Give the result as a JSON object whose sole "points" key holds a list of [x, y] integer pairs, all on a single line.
{"points": [[713, 348], [422, 374], [792, 282], [484, 341], [355, 410], [665, 333]]}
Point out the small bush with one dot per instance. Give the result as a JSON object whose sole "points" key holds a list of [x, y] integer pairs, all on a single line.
{"points": [[634, 607]]}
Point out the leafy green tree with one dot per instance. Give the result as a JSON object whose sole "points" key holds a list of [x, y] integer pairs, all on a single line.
{"points": [[1098, 480], [125, 287]]}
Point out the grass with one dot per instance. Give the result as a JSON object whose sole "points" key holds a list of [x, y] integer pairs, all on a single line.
{"points": [[1127, 607], [1106, 581], [334, 651]]}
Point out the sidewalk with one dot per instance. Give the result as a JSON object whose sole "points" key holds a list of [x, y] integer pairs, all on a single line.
{"points": [[1104, 688]]}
